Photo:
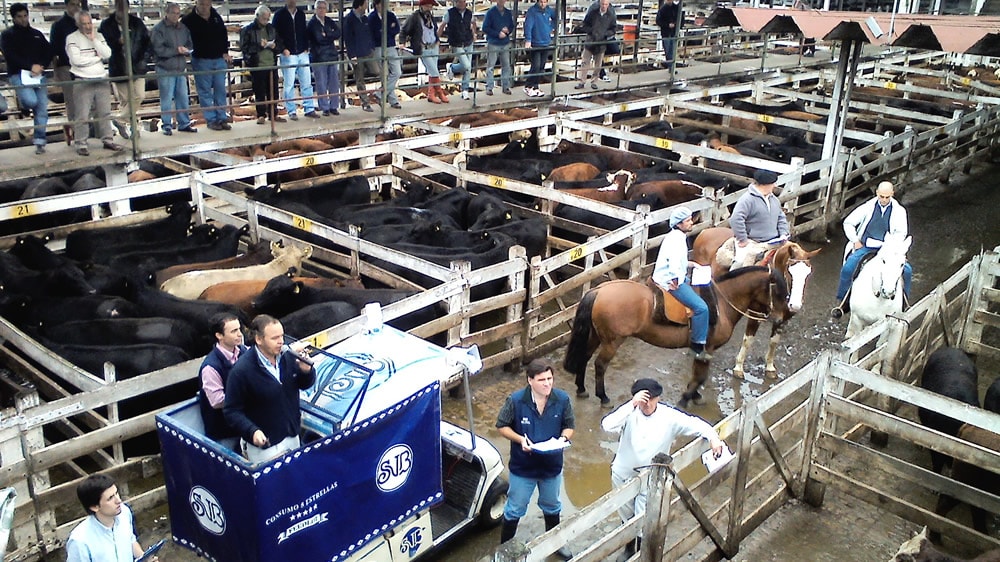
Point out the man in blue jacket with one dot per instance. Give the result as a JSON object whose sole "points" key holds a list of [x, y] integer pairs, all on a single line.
{"points": [[27, 54], [497, 26], [531, 416], [539, 23], [390, 56], [323, 35], [290, 23], [262, 392], [358, 43]]}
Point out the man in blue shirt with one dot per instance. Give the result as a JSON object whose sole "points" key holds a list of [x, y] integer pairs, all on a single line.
{"points": [[394, 64], [290, 23], [532, 415], [670, 273], [497, 26], [107, 533], [539, 23]]}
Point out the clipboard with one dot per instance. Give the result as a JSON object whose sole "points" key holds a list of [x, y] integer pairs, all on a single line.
{"points": [[151, 551]]}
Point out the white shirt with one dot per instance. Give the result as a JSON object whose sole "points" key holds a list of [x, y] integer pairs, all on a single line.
{"points": [[644, 436], [672, 260]]}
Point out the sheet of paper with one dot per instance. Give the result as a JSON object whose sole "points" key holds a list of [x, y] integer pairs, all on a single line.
{"points": [[701, 275], [712, 463], [549, 446], [28, 79]]}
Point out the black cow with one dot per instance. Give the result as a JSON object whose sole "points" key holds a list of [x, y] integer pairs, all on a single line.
{"points": [[521, 150], [197, 313], [992, 400], [532, 234], [317, 317], [66, 281], [528, 170], [323, 199], [33, 253], [31, 312], [950, 373], [224, 246], [128, 331], [80, 244], [199, 236], [453, 203]]}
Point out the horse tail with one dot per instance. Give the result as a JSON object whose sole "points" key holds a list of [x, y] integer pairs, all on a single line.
{"points": [[577, 355]]}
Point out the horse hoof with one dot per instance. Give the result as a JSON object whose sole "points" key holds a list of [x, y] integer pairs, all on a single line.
{"points": [[738, 373], [682, 403], [698, 400], [771, 373], [605, 401], [582, 394]]}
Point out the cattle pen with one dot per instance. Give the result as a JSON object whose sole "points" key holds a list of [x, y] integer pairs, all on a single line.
{"points": [[50, 444]]}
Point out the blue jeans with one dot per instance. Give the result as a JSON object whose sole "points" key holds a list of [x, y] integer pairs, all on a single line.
{"points": [[699, 321], [211, 88], [494, 52], [668, 46], [35, 98], [521, 490], [173, 93], [537, 56], [296, 67], [327, 85], [464, 55], [429, 56], [851, 264], [394, 69]]}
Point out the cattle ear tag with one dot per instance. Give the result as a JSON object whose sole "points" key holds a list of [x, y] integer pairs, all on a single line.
{"points": [[509, 216], [298, 287]]}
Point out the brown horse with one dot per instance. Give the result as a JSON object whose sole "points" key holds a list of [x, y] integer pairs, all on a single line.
{"points": [[790, 260], [616, 310]]}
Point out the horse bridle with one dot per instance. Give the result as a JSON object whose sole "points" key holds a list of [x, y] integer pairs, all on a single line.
{"points": [[751, 314]]}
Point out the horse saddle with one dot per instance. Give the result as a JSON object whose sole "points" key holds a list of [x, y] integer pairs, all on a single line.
{"points": [[726, 253], [667, 309]]}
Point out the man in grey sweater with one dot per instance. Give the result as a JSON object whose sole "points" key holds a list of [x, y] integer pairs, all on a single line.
{"points": [[171, 46], [88, 52], [758, 221]]}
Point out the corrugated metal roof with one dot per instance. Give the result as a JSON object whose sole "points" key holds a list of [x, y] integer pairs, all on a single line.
{"points": [[976, 35]]}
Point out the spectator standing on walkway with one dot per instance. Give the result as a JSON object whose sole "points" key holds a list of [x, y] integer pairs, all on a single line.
{"points": [[27, 54], [323, 35], [171, 47], [539, 23], [129, 93], [391, 56], [598, 24], [458, 27], [497, 26], [359, 47], [668, 18], [421, 30], [260, 45], [210, 60], [87, 51], [108, 532], [290, 23], [60, 64]]}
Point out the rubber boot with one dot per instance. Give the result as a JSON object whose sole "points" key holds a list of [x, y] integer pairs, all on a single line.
{"points": [[508, 530], [550, 522], [432, 91], [436, 82]]}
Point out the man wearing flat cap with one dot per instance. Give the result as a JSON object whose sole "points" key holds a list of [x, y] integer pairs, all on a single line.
{"points": [[758, 221], [867, 228], [671, 273], [647, 428]]}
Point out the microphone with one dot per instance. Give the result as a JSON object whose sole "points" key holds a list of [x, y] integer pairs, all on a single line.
{"points": [[299, 356]]}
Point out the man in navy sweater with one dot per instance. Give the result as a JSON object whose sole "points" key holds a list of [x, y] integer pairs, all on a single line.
{"points": [[262, 392], [290, 23], [214, 373]]}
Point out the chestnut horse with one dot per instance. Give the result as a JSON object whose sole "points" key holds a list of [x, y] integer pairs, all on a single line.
{"points": [[616, 310], [790, 260]]}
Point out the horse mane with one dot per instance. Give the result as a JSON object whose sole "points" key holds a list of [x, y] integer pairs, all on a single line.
{"points": [[741, 271], [776, 277]]}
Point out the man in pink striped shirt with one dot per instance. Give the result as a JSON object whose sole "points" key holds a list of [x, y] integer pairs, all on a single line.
{"points": [[214, 371]]}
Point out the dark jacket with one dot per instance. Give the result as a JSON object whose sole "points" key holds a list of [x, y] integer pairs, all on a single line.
{"points": [[459, 28], [496, 21], [140, 42], [323, 37], [255, 400], [23, 47], [165, 40], [597, 27], [211, 40], [250, 36], [357, 36], [375, 25], [667, 14], [293, 34], [57, 37], [520, 414], [215, 423], [413, 32]]}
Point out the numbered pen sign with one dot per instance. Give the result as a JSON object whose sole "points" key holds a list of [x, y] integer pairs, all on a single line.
{"points": [[455, 137], [578, 252], [308, 161], [318, 341], [890, 85], [765, 118], [302, 223], [664, 143], [20, 211], [497, 181]]}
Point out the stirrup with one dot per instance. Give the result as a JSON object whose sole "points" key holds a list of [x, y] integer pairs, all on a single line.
{"points": [[837, 312]]}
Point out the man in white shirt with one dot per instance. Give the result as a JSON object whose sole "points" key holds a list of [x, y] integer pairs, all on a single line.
{"points": [[88, 52], [647, 428]]}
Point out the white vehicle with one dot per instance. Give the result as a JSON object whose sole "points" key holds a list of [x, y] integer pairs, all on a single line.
{"points": [[380, 477]]}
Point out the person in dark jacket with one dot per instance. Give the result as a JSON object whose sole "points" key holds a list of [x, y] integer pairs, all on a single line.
{"points": [[60, 62], [535, 414], [260, 45], [128, 92], [262, 392], [27, 54], [668, 18], [421, 32], [214, 373], [290, 23], [497, 27], [389, 57], [359, 47], [458, 27], [210, 60], [539, 25], [597, 24], [323, 35], [171, 46]]}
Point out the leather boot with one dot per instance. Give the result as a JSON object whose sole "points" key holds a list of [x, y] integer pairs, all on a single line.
{"points": [[550, 522], [436, 82], [432, 91], [508, 530]]}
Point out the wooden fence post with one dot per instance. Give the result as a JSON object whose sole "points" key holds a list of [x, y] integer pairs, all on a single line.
{"points": [[459, 303], [889, 367], [516, 281], [654, 525]]}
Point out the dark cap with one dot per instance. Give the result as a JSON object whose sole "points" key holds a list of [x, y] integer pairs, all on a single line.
{"points": [[649, 385], [765, 177]]}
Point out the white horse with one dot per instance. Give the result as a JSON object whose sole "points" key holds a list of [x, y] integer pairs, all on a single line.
{"points": [[878, 289]]}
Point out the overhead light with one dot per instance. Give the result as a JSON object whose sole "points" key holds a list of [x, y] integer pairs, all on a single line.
{"points": [[874, 27]]}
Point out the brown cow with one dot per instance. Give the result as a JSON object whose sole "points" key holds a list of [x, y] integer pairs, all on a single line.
{"points": [[257, 254], [617, 159], [580, 171], [747, 124], [301, 145], [800, 115], [669, 192], [242, 293], [715, 142]]}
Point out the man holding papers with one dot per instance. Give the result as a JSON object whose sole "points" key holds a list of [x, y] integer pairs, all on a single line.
{"points": [[647, 428], [535, 414], [107, 533], [27, 53]]}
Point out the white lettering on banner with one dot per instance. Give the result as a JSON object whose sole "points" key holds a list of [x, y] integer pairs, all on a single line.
{"points": [[394, 467], [314, 520], [207, 510], [302, 504]]}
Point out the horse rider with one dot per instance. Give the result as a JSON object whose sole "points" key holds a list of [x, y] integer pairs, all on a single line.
{"points": [[867, 227], [670, 273], [758, 221]]}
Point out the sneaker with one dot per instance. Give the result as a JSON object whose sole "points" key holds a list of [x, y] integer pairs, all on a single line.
{"points": [[167, 131], [538, 93], [489, 92], [261, 120], [579, 86], [528, 91], [594, 86], [279, 119], [226, 126], [188, 129], [83, 151], [293, 116], [506, 91], [39, 149], [605, 78], [326, 113], [367, 108], [113, 146], [124, 129], [312, 114], [465, 95], [450, 73]]}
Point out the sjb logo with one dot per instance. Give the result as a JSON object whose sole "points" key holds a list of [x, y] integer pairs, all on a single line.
{"points": [[394, 467], [411, 541], [207, 509]]}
